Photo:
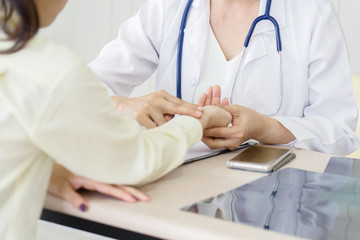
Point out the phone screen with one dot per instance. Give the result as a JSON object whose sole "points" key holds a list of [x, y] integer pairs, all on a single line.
{"points": [[259, 154]]}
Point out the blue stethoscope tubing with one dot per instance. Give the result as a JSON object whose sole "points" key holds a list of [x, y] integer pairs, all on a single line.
{"points": [[265, 16], [180, 48]]}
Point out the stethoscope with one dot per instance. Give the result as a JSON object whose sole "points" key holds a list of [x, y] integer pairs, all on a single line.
{"points": [[266, 16]]}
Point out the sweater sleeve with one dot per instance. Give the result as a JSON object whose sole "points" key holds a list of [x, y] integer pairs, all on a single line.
{"points": [[79, 129]]}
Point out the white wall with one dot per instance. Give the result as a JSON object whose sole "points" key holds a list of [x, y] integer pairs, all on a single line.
{"points": [[86, 25], [348, 11]]}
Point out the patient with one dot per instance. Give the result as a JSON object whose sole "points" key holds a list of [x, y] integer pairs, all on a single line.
{"points": [[53, 109]]}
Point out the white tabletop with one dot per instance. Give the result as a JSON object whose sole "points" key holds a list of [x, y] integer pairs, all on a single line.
{"points": [[193, 182]]}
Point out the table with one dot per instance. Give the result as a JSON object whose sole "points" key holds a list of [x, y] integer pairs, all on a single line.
{"points": [[162, 217]]}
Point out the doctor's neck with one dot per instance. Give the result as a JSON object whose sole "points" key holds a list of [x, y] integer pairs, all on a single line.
{"points": [[227, 2], [231, 4]]}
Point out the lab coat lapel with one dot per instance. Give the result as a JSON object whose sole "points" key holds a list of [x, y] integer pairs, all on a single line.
{"points": [[198, 27], [196, 34], [257, 47]]}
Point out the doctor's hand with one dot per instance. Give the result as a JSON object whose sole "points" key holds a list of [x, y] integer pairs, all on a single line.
{"points": [[212, 97], [64, 184], [155, 109], [247, 124]]}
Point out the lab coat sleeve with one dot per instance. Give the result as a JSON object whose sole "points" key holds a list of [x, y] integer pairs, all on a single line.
{"points": [[133, 56], [330, 118], [79, 129]]}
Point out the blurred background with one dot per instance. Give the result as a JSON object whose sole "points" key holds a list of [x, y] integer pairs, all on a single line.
{"points": [[87, 25]]}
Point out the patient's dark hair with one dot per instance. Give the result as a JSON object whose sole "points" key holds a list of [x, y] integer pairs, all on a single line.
{"points": [[27, 22]]}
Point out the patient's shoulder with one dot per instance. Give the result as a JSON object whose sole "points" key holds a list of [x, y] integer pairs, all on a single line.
{"points": [[41, 59]]}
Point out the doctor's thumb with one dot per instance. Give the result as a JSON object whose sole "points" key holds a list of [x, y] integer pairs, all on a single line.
{"points": [[232, 109]]}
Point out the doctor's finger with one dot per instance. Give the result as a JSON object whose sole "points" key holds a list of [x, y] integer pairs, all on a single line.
{"points": [[168, 117], [157, 114], [182, 108], [229, 143], [157, 117], [190, 107], [146, 121], [224, 132], [173, 105]]}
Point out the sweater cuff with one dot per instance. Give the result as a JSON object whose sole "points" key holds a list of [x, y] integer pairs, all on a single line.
{"points": [[192, 127]]}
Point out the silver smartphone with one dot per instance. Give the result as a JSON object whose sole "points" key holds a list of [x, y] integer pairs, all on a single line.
{"points": [[261, 158]]}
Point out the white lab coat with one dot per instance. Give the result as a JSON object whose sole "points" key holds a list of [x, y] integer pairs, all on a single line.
{"points": [[317, 104]]}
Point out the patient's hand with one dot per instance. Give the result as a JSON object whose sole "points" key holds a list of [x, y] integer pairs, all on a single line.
{"points": [[65, 185], [213, 97], [155, 109]]}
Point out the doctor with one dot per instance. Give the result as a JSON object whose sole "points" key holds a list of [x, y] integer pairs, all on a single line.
{"points": [[304, 100]]}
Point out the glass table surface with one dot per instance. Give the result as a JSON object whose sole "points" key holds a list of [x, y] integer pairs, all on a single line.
{"points": [[296, 202]]}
